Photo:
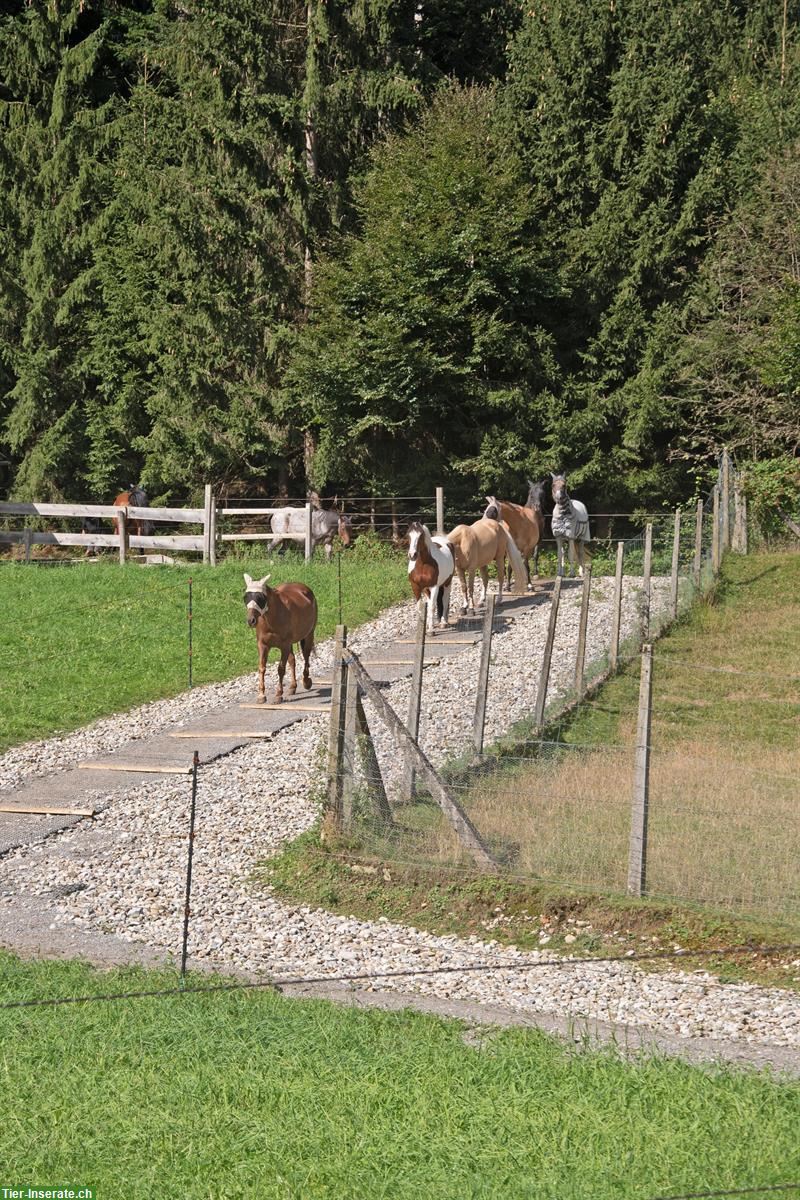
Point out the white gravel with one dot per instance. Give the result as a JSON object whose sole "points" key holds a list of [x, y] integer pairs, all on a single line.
{"points": [[130, 861]]}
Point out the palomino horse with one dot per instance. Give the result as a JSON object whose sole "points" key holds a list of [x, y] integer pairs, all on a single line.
{"points": [[135, 497], [525, 523], [431, 564], [570, 523], [477, 545], [281, 616]]}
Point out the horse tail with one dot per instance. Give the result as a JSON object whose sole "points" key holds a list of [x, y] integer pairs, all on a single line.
{"points": [[455, 542], [517, 565]]}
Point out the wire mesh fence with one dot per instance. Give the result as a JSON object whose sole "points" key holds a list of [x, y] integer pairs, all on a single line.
{"points": [[554, 797]]}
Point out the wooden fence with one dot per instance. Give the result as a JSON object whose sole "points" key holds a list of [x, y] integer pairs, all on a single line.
{"points": [[206, 542]]}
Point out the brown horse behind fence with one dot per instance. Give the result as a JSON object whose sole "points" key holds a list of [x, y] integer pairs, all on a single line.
{"points": [[135, 497]]}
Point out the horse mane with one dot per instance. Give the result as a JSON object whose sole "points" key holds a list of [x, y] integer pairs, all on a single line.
{"points": [[137, 497]]}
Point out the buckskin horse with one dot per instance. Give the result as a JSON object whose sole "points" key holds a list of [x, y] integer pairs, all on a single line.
{"points": [[281, 616], [475, 546], [431, 563], [570, 523], [525, 523]]}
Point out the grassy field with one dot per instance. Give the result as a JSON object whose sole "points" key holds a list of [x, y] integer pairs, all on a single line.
{"points": [[78, 642], [251, 1095], [723, 838]]}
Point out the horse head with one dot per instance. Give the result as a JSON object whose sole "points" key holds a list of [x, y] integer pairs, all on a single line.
{"points": [[346, 531], [416, 530], [535, 496], [256, 598], [559, 487]]}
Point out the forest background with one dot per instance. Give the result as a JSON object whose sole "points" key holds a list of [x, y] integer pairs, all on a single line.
{"points": [[379, 245]]}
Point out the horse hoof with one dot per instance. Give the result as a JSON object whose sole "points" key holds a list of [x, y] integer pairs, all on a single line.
{"points": [[307, 684], [278, 698], [292, 690], [262, 699]]}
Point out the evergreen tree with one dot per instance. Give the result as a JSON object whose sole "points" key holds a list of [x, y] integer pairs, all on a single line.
{"points": [[425, 350]]}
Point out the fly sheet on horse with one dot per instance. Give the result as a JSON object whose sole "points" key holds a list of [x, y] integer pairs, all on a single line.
{"points": [[570, 522], [325, 524]]}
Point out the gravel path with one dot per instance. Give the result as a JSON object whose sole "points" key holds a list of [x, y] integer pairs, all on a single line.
{"points": [[123, 872]]}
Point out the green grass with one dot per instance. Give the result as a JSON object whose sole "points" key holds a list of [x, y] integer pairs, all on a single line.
{"points": [[252, 1095], [79, 642]]}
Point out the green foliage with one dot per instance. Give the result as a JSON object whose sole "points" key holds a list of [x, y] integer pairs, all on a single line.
{"points": [[771, 484], [426, 351]]}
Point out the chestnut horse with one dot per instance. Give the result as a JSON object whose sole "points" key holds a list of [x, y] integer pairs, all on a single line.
{"points": [[430, 571], [475, 546], [525, 523], [135, 497], [281, 616]]}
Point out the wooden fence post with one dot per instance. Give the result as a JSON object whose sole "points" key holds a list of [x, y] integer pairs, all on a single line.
{"points": [[372, 769], [616, 614], [676, 562], [580, 653], [744, 524], [349, 749], [207, 523], [308, 549], [698, 544], [647, 570], [726, 501], [27, 544], [212, 532], [415, 699], [544, 675], [483, 675], [464, 829], [715, 538], [440, 511], [637, 850], [336, 731], [124, 543]]}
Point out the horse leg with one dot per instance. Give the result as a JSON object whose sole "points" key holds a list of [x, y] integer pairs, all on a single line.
{"points": [[535, 563], [581, 557], [462, 579], [328, 551], [572, 558], [432, 605], [293, 668], [445, 594], [281, 673], [306, 668], [263, 655], [485, 581], [560, 556]]}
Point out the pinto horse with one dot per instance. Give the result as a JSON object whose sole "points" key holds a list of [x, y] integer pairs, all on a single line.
{"points": [[135, 497], [430, 571], [570, 523], [281, 616], [525, 523], [475, 546]]}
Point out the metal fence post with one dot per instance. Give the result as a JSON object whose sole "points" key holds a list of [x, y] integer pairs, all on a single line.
{"points": [[580, 653], [676, 559], [483, 675], [440, 511], [415, 699], [637, 850], [616, 614], [544, 676]]}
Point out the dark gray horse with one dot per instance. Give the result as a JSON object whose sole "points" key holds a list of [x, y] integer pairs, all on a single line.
{"points": [[535, 501], [325, 524]]}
